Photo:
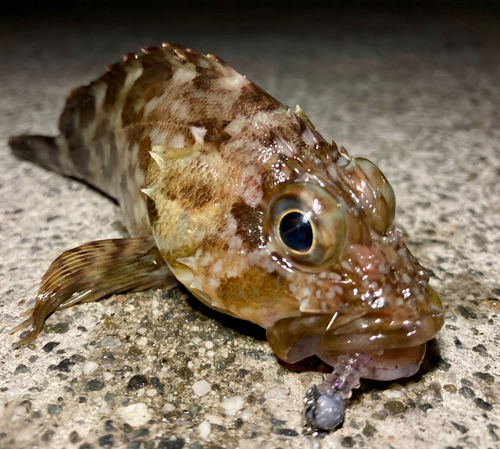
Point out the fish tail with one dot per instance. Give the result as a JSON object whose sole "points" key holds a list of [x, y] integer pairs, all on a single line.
{"points": [[46, 151]]}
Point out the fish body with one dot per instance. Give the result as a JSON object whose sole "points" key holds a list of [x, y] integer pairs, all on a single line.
{"points": [[231, 193]]}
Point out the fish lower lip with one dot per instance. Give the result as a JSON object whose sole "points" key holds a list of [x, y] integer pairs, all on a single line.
{"points": [[385, 364], [294, 339]]}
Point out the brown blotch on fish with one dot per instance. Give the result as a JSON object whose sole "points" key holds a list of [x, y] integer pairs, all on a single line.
{"points": [[196, 195], [143, 156], [80, 156], [257, 285], [214, 130], [252, 99], [148, 86], [99, 151], [152, 211], [249, 224], [202, 81], [80, 106], [115, 80], [102, 128]]}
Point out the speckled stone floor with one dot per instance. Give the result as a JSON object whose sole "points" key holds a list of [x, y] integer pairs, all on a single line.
{"points": [[419, 93]]}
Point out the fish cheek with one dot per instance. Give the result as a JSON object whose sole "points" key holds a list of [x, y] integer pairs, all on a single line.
{"points": [[256, 295]]}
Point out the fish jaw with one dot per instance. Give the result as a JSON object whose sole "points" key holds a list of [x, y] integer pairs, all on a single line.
{"points": [[394, 347], [387, 312], [384, 304]]}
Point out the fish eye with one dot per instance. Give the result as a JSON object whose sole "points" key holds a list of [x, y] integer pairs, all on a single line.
{"points": [[296, 231], [306, 225]]}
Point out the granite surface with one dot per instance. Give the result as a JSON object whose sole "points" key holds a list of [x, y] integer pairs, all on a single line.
{"points": [[417, 92]]}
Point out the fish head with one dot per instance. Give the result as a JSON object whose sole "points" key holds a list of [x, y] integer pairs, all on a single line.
{"points": [[360, 289], [301, 240]]}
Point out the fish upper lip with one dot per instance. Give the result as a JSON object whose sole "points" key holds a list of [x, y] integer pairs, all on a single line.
{"points": [[356, 331], [373, 333], [381, 329]]}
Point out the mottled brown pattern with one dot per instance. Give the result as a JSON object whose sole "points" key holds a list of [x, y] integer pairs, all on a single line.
{"points": [[80, 157], [214, 130], [202, 81], [258, 284], [143, 156], [188, 192], [152, 211], [80, 104], [251, 99], [150, 85], [249, 222], [114, 79], [268, 177], [213, 207], [267, 139], [101, 129]]}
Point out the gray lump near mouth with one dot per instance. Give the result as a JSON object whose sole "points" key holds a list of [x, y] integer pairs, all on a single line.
{"points": [[324, 411]]}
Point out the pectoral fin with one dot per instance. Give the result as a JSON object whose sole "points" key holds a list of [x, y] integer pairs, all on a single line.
{"points": [[95, 271]]}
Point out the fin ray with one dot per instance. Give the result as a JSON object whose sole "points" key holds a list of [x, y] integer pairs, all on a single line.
{"points": [[115, 266]]}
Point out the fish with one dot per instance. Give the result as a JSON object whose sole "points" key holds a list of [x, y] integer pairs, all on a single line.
{"points": [[230, 193]]}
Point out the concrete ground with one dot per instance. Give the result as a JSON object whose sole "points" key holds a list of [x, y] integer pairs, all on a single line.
{"points": [[417, 92]]}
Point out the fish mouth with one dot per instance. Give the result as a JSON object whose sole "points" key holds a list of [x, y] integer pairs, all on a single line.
{"points": [[394, 346]]}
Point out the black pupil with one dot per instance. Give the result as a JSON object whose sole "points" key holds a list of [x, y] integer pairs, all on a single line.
{"points": [[296, 232]]}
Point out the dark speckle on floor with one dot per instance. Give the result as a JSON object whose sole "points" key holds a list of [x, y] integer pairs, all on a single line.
{"points": [[136, 382]]}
